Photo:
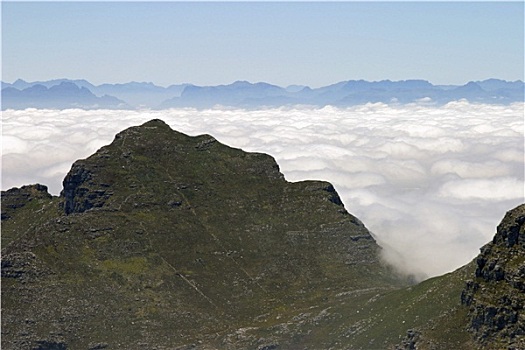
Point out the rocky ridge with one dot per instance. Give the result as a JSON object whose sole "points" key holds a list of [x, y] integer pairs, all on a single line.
{"points": [[18, 197], [496, 296]]}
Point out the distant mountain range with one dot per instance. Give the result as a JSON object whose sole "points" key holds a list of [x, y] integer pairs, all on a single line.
{"points": [[62, 96], [65, 93]]}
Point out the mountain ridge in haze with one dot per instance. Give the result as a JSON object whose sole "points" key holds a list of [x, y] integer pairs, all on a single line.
{"points": [[64, 95], [243, 94]]}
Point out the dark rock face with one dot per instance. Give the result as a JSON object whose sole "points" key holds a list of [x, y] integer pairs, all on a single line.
{"points": [[334, 196], [497, 295], [79, 194], [410, 341], [17, 265], [18, 197]]}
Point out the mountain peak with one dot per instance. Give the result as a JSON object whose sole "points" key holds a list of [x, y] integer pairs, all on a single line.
{"points": [[241, 83], [470, 86], [177, 232], [154, 123], [19, 81]]}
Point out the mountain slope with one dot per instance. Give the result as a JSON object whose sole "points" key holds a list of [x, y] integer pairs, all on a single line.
{"points": [[161, 240], [160, 232]]}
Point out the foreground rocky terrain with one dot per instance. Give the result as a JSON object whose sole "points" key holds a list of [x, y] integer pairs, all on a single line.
{"points": [[165, 241]]}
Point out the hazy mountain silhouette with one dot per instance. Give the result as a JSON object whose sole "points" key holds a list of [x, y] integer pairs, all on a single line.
{"points": [[20, 84], [345, 93], [61, 96], [239, 93], [255, 95], [140, 94]]}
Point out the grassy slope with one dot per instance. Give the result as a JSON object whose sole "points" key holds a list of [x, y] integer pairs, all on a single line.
{"points": [[375, 319]]}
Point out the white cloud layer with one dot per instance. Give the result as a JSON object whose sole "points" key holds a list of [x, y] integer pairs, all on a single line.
{"points": [[430, 182]]}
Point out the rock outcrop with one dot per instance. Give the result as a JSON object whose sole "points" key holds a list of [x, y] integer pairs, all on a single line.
{"points": [[77, 193], [18, 197], [496, 295]]}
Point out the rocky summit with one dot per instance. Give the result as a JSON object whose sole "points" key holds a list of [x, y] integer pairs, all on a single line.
{"points": [[165, 241]]}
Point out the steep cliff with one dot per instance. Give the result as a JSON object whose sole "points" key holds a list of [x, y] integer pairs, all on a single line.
{"points": [[496, 296]]}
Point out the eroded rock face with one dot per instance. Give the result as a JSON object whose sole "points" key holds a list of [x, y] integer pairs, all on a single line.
{"points": [[496, 295], [17, 265], [15, 198], [81, 192]]}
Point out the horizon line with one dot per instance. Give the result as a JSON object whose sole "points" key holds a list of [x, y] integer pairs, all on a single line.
{"points": [[254, 82]]}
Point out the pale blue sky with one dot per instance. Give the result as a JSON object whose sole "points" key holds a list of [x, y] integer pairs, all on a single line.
{"points": [[281, 43]]}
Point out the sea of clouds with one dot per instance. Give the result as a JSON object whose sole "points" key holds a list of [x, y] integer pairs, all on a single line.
{"points": [[431, 183]]}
